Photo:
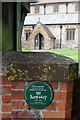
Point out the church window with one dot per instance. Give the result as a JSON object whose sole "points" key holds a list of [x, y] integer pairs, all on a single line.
{"points": [[77, 8], [55, 8], [27, 35], [70, 34], [37, 10]]}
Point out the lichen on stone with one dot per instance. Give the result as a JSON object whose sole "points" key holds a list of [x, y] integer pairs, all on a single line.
{"points": [[11, 77], [45, 70]]}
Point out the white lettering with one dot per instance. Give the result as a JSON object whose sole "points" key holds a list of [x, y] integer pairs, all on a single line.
{"points": [[38, 97]]}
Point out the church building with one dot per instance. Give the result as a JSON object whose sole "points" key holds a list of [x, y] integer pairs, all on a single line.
{"points": [[52, 24]]}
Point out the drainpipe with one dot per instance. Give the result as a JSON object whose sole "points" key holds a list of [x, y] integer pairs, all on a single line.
{"points": [[32, 26], [44, 9], [67, 8], [60, 36]]}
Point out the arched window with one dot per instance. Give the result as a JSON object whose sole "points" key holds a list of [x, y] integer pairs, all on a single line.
{"points": [[27, 35]]}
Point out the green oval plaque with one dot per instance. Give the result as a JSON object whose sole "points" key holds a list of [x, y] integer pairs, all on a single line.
{"points": [[38, 94]]}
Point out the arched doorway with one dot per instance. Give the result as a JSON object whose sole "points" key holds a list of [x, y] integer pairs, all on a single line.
{"points": [[39, 42]]}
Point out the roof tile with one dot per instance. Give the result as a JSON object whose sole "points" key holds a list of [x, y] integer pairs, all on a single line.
{"points": [[52, 19]]}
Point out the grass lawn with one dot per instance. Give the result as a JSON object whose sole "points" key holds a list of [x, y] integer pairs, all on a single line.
{"points": [[24, 50], [71, 53]]}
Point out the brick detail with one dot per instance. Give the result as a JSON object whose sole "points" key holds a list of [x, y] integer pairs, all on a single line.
{"points": [[64, 106], [54, 115], [6, 115], [52, 106], [17, 95], [62, 96], [19, 114], [6, 98], [6, 90], [6, 108], [5, 81], [18, 84], [68, 114], [25, 114], [59, 108], [66, 86], [0, 116], [18, 105], [54, 85]]}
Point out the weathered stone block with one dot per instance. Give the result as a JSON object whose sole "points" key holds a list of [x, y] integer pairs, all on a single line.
{"points": [[39, 66]]}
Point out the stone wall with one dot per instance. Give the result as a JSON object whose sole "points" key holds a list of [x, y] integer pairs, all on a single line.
{"points": [[55, 29], [69, 43], [29, 43], [39, 29], [41, 9], [49, 8], [23, 37], [72, 7]]}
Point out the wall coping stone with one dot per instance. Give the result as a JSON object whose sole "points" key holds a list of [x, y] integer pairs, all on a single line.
{"points": [[43, 66]]}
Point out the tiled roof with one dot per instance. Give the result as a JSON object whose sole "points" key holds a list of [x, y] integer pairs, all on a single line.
{"points": [[52, 19], [53, 1]]}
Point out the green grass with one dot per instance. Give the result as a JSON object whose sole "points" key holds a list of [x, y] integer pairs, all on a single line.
{"points": [[24, 50]]}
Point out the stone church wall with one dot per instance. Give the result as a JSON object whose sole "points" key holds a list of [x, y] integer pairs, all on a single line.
{"points": [[55, 29], [50, 8]]}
